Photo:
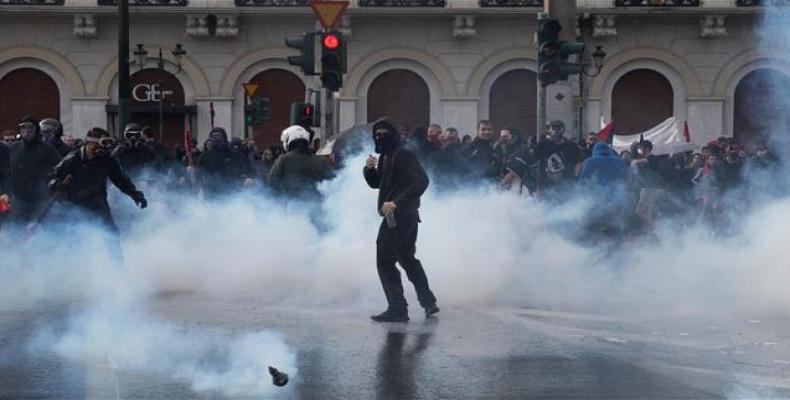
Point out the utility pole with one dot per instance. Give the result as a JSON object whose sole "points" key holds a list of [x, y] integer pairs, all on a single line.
{"points": [[123, 65]]}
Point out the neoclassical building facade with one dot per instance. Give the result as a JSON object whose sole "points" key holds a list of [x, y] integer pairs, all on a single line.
{"points": [[451, 62]]}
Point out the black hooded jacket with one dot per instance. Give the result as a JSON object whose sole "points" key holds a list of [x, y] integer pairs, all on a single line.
{"points": [[88, 186], [399, 176], [29, 164]]}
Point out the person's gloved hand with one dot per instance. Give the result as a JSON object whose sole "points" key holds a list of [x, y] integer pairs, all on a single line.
{"points": [[139, 199]]}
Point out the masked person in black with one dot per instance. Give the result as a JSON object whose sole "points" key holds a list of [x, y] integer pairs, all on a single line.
{"points": [[30, 160], [221, 168], [82, 177], [52, 132], [134, 155], [165, 155], [401, 181]]}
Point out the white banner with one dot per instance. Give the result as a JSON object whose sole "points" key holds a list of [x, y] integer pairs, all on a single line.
{"points": [[667, 138]]}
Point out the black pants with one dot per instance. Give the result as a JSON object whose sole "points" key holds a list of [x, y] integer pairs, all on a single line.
{"points": [[398, 244]]}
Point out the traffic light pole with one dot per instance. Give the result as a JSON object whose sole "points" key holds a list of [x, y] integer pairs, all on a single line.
{"points": [[246, 125], [541, 103]]}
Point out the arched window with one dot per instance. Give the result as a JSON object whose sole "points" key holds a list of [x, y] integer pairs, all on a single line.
{"points": [[641, 99], [27, 91], [513, 101], [283, 88], [761, 106], [402, 95]]}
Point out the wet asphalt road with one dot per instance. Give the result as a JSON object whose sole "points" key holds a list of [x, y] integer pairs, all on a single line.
{"points": [[496, 353]]}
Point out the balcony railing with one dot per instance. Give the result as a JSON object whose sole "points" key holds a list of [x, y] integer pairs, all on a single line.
{"points": [[401, 3], [763, 3], [511, 3], [656, 3], [272, 3], [31, 2], [155, 3]]}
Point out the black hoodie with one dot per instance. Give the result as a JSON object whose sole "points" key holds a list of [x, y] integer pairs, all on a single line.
{"points": [[399, 176]]}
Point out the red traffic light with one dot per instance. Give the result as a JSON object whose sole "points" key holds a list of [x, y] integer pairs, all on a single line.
{"points": [[331, 42], [308, 110]]}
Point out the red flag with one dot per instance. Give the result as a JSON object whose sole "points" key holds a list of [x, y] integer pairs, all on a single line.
{"points": [[686, 134], [188, 144], [4, 205], [603, 134]]}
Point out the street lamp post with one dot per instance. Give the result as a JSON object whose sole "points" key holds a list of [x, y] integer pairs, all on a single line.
{"points": [[598, 58], [142, 58], [123, 64]]}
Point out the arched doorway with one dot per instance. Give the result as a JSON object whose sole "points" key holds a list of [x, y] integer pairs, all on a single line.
{"points": [[283, 88], [27, 91], [641, 99], [762, 107], [402, 95], [512, 101]]}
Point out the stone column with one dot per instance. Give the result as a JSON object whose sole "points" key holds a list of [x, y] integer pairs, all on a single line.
{"points": [[705, 119], [460, 113], [87, 112], [347, 112]]}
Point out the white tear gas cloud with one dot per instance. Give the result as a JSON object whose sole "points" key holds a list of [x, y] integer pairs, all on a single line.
{"points": [[209, 361], [479, 248]]}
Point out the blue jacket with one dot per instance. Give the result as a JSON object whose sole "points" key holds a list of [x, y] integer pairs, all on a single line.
{"points": [[604, 168]]}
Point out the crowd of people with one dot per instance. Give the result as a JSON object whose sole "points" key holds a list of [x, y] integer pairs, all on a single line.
{"points": [[631, 188], [628, 190], [39, 166]]}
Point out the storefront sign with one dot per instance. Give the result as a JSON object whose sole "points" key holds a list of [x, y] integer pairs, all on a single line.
{"points": [[145, 92]]}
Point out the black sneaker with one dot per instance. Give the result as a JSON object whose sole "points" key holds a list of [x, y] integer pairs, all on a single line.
{"points": [[430, 310], [391, 316]]}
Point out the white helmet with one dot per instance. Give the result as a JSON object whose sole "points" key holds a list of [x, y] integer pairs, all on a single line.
{"points": [[292, 133]]}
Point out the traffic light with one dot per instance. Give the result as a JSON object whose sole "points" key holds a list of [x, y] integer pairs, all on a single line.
{"points": [[306, 45], [258, 111], [305, 114], [333, 60], [553, 53]]}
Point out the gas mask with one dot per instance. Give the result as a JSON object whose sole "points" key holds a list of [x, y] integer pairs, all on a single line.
{"points": [[133, 139]]}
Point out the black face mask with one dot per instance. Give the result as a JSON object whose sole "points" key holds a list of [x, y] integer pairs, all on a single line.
{"points": [[386, 143], [218, 144]]}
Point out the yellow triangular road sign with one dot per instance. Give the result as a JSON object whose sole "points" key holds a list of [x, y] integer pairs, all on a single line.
{"points": [[329, 12], [250, 89]]}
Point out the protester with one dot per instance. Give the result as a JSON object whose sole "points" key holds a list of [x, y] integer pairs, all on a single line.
{"points": [[30, 160], [559, 159], [401, 180], [511, 142], [480, 153], [81, 177], [52, 133], [450, 168], [134, 154], [221, 168]]}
